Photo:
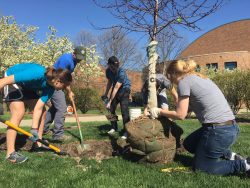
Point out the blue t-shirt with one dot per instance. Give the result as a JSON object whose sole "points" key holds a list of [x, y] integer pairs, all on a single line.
{"points": [[65, 61], [32, 76], [120, 77]]}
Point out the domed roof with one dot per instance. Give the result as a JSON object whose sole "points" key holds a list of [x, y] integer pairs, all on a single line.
{"points": [[234, 36]]}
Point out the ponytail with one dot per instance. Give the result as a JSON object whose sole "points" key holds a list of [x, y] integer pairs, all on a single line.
{"points": [[182, 68]]}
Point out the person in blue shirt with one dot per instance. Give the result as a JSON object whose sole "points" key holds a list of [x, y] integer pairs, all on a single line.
{"points": [[32, 85], [118, 79], [58, 109]]}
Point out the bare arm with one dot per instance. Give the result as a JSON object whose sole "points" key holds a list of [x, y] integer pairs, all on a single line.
{"points": [[37, 113], [116, 88], [181, 110], [6, 81]]}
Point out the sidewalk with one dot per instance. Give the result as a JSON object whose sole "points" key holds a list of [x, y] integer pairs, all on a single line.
{"points": [[68, 119]]}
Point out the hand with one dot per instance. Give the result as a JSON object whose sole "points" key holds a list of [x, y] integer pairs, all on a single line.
{"points": [[155, 112], [146, 112], [108, 105], [103, 97], [34, 136]]}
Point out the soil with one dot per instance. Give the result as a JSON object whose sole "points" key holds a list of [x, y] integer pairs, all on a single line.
{"points": [[97, 149]]}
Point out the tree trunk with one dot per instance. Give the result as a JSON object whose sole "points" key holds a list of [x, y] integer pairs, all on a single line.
{"points": [[152, 60]]}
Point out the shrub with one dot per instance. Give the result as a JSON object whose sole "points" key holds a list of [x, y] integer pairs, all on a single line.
{"points": [[233, 85], [246, 98], [87, 99]]}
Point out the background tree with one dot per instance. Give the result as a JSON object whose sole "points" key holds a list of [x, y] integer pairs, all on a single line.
{"points": [[153, 16], [170, 45], [85, 38], [115, 42]]}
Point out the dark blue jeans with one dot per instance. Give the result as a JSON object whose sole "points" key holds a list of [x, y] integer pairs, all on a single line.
{"points": [[211, 148], [121, 97]]}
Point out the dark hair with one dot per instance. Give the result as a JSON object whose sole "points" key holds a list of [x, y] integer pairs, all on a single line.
{"points": [[113, 61], [62, 74]]}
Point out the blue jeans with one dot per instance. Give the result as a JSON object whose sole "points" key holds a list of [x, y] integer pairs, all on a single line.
{"points": [[211, 148]]}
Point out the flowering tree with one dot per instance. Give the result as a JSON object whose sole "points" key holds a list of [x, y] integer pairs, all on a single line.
{"points": [[89, 68], [17, 44]]}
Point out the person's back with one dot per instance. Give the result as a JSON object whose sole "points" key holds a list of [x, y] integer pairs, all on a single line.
{"points": [[24, 75], [65, 61], [206, 99]]}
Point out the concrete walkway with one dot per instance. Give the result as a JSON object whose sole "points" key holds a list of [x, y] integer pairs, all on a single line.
{"points": [[68, 119]]}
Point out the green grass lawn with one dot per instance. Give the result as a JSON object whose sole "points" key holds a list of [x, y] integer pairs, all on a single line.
{"points": [[49, 170]]}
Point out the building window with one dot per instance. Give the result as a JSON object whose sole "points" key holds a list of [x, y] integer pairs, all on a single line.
{"points": [[230, 65], [212, 66]]}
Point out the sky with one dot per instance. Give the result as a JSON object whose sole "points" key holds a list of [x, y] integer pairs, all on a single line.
{"points": [[69, 17]]}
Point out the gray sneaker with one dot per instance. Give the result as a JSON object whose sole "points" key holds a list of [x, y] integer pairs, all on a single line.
{"points": [[16, 158], [62, 138]]}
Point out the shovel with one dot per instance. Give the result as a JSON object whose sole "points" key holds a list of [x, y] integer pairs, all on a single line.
{"points": [[54, 148], [82, 146], [109, 116]]}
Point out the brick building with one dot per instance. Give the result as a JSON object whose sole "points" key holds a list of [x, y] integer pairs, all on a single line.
{"points": [[227, 46]]}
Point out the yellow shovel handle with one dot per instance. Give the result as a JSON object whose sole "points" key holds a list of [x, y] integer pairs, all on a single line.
{"points": [[29, 135], [17, 128]]}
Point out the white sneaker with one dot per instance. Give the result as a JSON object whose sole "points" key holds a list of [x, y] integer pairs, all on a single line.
{"points": [[112, 131], [125, 135]]}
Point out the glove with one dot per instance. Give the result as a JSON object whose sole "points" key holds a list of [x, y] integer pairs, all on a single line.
{"points": [[105, 99], [34, 136], [155, 112]]}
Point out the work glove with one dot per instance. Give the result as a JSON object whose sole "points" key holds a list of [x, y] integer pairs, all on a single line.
{"points": [[105, 99], [155, 112], [34, 136]]}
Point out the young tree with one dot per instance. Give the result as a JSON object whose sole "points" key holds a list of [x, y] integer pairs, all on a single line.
{"points": [[153, 16]]}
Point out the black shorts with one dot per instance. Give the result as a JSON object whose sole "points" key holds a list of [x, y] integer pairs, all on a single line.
{"points": [[17, 93]]}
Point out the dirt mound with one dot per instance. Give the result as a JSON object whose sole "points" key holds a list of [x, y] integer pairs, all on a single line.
{"points": [[97, 149]]}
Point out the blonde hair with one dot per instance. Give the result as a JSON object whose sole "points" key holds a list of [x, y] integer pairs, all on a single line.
{"points": [[183, 68]]}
